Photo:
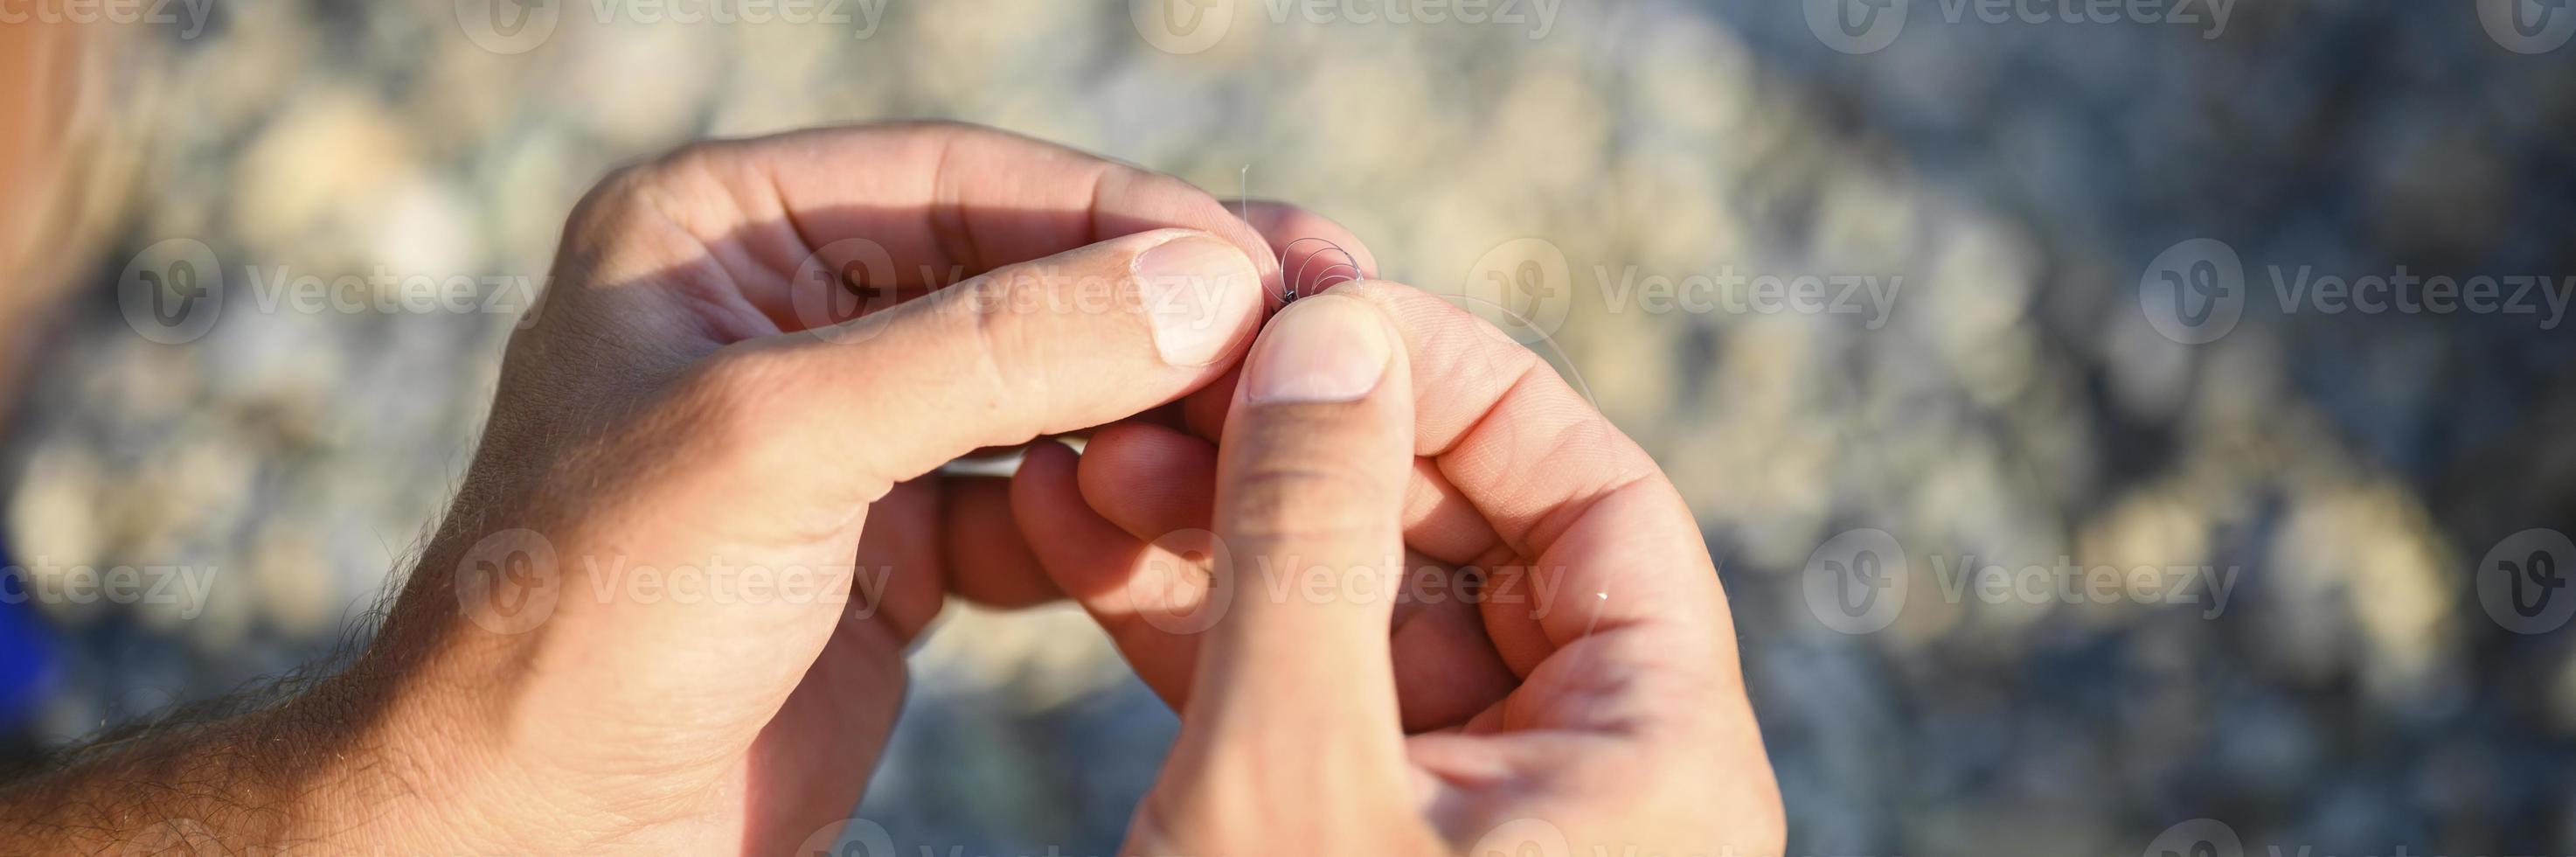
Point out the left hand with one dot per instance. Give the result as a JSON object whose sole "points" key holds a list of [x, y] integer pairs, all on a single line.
{"points": [[667, 609]]}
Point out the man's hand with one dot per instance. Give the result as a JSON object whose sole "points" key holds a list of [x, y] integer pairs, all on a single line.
{"points": [[1420, 598], [667, 610]]}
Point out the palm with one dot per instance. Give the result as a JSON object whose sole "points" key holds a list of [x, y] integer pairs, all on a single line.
{"points": [[668, 263]]}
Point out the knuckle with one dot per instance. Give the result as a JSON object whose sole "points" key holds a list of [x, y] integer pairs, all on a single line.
{"points": [[612, 197], [1165, 185], [634, 192], [620, 194], [1312, 497], [1000, 332]]}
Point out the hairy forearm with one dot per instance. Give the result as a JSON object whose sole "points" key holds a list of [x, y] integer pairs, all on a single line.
{"points": [[294, 775], [172, 787]]}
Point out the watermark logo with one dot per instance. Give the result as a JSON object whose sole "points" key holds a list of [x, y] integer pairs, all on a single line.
{"points": [[186, 588], [514, 580], [385, 292], [2199, 837], [1185, 27], [843, 281], [1523, 837], [1526, 281], [1856, 582], [2209, 837], [1523, 286], [1186, 584], [856, 837], [834, 290], [1869, 26], [2522, 582], [185, 18], [173, 291], [2063, 581], [509, 582], [1190, 579], [2528, 26], [1182, 27], [519, 26], [508, 26], [1537, 17], [2194, 292], [1872, 297], [1857, 26]]}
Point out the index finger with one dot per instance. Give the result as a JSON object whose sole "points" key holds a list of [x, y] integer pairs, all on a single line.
{"points": [[935, 202], [1515, 442], [1538, 469]]}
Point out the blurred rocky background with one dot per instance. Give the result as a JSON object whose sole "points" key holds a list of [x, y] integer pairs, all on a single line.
{"points": [[2021, 400]]}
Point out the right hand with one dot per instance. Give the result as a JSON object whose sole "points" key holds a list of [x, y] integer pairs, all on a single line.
{"points": [[1603, 708]]}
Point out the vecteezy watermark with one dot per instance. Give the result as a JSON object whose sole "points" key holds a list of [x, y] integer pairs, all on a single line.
{"points": [[1182, 27], [1536, 837], [1192, 26], [1858, 26], [849, 279], [1858, 582], [2209, 837], [1536, 18], [1871, 297], [2064, 581], [2522, 581], [1869, 26], [2529, 26], [512, 581], [173, 292], [1533, 836], [859, 837], [185, 587], [855, 837], [1530, 284], [2199, 837], [386, 292], [846, 280], [185, 18], [1189, 579], [519, 26], [2196, 291]]}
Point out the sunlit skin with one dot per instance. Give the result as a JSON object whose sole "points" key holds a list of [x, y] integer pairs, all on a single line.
{"points": [[670, 408], [1601, 709]]}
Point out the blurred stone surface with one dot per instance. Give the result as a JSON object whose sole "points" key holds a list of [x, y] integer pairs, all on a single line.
{"points": [[2013, 409]]}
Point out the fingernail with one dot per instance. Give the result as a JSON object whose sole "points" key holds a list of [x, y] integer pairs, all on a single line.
{"points": [[1327, 348], [1197, 291]]}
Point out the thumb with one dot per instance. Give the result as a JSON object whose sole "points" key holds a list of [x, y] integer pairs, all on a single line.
{"points": [[783, 442], [1074, 340], [1295, 687]]}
